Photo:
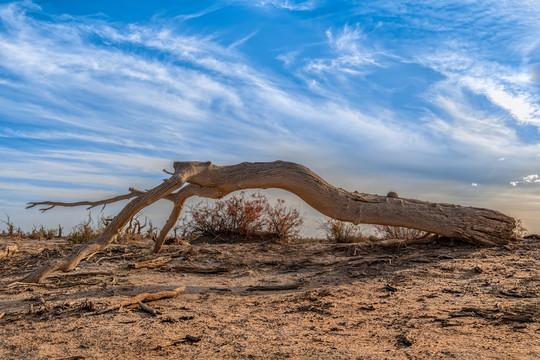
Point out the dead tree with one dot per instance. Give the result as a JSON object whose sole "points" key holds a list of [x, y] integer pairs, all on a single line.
{"points": [[475, 225], [9, 224]]}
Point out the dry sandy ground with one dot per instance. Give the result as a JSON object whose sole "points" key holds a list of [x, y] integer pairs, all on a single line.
{"points": [[448, 301]]}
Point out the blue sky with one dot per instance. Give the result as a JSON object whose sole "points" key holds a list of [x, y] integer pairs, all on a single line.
{"points": [[437, 100]]}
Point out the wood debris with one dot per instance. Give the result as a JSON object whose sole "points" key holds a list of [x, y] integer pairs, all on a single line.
{"points": [[147, 308], [9, 250], [144, 297], [201, 269], [274, 287], [151, 263]]}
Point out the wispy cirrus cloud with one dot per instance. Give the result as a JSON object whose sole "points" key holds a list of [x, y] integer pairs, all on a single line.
{"points": [[293, 5], [507, 87], [85, 85], [95, 83], [417, 93], [349, 53]]}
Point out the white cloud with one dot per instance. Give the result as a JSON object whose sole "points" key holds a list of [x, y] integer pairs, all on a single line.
{"points": [[204, 101], [350, 53], [520, 102], [505, 86], [288, 58], [104, 138], [306, 5], [211, 9], [463, 123], [114, 92], [529, 179]]}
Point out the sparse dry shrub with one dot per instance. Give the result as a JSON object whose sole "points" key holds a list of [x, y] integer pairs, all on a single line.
{"points": [[342, 232], [235, 215], [84, 231], [152, 231], [242, 216], [50, 234], [10, 226], [19, 232], [87, 229], [37, 233], [133, 230], [282, 221], [398, 233]]}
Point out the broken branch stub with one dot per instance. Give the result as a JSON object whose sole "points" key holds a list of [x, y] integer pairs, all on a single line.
{"points": [[474, 225]]}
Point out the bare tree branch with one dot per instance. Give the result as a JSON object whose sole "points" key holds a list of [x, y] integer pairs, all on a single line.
{"points": [[475, 225], [119, 222], [91, 204]]}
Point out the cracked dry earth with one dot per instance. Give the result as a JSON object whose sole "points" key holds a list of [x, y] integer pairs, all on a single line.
{"points": [[275, 301]]}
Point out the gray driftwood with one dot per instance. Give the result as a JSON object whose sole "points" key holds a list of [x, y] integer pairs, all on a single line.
{"points": [[475, 225]]}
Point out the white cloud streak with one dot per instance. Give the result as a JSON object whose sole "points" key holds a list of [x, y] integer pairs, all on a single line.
{"points": [[292, 5], [506, 87], [350, 53], [529, 179]]}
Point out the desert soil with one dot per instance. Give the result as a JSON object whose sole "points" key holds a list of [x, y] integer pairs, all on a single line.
{"points": [[443, 301]]}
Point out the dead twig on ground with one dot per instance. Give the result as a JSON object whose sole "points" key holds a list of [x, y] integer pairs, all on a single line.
{"points": [[502, 316], [21, 283], [274, 287], [147, 308], [201, 269], [144, 297], [516, 294], [188, 339], [84, 274], [151, 263]]}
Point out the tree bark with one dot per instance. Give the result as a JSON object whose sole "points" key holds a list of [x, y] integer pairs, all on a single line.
{"points": [[179, 198], [475, 225], [184, 171]]}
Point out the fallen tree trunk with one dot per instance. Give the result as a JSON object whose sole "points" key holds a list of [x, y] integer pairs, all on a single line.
{"points": [[475, 225]]}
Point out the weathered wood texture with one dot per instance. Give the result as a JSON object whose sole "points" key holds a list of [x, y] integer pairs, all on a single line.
{"points": [[112, 230], [475, 225]]}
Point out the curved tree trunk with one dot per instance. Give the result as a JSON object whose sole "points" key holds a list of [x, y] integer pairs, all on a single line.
{"points": [[475, 225]]}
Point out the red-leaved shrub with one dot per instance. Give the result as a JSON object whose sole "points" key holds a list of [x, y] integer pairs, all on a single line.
{"points": [[283, 221], [242, 215]]}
